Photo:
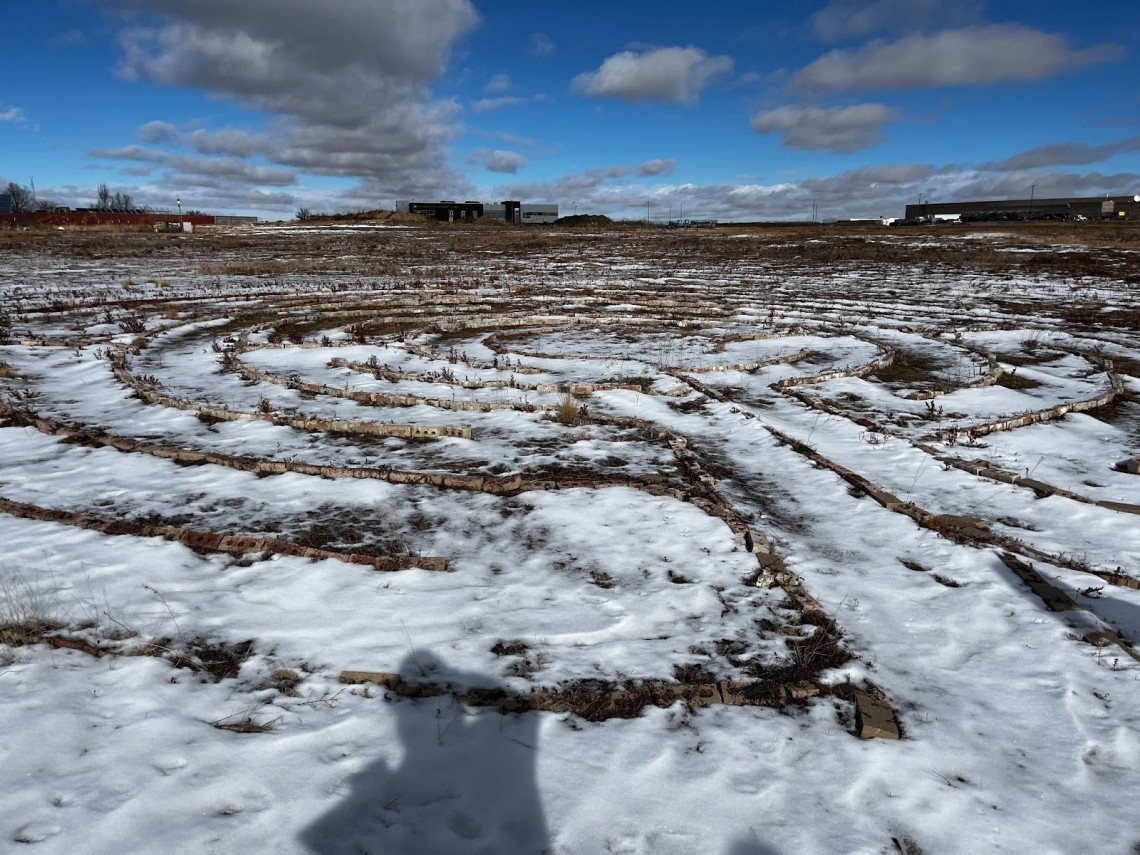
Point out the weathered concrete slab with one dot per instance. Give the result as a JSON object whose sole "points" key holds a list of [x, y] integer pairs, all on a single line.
{"points": [[874, 718]]}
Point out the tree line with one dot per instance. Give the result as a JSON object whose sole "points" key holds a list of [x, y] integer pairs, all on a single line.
{"points": [[24, 201]]}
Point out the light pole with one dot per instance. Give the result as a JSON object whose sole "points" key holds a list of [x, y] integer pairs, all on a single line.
{"points": [[1032, 194], [178, 202], [647, 212]]}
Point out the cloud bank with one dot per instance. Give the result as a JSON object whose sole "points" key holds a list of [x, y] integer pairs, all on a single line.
{"points": [[842, 130], [969, 56], [671, 74]]}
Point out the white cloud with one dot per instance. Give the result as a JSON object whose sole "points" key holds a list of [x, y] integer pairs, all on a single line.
{"points": [[158, 132], [1067, 154], [968, 56], [194, 169], [675, 74], [348, 81], [498, 161], [842, 130], [844, 19], [13, 114], [657, 167]]}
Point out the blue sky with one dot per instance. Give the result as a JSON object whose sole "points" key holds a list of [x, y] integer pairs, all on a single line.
{"points": [[731, 110]]}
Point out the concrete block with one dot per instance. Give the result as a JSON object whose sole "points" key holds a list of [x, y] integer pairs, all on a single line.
{"points": [[756, 542], [380, 678], [874, 718]]}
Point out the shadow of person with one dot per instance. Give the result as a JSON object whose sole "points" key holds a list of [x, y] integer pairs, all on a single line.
{"points": [[752, 846], [466, 783]]}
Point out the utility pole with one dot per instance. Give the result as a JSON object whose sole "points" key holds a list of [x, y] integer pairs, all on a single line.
{"points": [[178, 202], [647, 212], [1032, 193]]}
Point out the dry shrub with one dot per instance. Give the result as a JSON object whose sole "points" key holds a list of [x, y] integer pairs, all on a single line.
{"points": [[568, 409], [26, 613]]}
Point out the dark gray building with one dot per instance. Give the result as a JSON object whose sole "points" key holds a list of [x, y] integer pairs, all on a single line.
{"points": [[5, 203], [1089, 208]]}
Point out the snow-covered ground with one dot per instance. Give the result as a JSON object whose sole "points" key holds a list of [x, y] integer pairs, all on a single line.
{"points": [[161, 698]]}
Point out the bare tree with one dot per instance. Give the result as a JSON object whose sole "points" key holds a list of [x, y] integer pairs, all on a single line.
{"points": [[21, 197], [103, 202]]}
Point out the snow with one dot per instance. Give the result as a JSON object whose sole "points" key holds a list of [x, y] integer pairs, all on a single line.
{"points": [[1018, 736]]}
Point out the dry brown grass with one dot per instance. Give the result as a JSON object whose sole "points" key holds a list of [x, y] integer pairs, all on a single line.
{"points": [[568, 410]]}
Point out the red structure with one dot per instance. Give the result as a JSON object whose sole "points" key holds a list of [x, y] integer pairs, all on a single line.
{"points": [[110, 218]]}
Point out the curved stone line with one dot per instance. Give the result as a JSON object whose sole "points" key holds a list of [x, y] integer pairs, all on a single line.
{"points": [[599, 700], [992, 375], [1116, 388], [884, 360], [383, 399], [496, 485], [960, 529], [772, 568], [985, 469], [313, 425], [383, 373], [921, 516], [214, 542], [789, 359]]}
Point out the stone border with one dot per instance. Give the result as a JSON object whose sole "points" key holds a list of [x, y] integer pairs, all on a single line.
{"points": [[213, 542], [1116, 387], [314, 425], [599, 700]]}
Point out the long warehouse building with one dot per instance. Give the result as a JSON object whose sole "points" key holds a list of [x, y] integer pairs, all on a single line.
{"points": [[1089, 208], [448, 211]]}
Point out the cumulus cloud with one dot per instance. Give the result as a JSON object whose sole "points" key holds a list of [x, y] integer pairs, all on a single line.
{"points": [[347, 82], [842, 130], [13, 114], [192, 169], [845, 19], [498, 161], [674, 74], [1067, 154], [158, 132], [967, 56], [237, 142], [657, 167]]}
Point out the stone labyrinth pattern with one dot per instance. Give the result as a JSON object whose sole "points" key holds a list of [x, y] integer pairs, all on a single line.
{"points": [[501, 386]]}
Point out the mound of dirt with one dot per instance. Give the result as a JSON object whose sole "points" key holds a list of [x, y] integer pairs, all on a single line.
{"points": [[584, 220]]}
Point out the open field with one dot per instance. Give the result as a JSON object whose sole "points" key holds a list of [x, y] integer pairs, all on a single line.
{"points": [[364, 537]]}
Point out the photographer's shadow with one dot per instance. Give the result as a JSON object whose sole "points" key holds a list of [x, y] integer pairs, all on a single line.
{"points": [[466, 784]]}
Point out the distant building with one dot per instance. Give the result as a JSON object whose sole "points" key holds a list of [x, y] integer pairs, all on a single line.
{"points": [[448, 211], [5, 203], [1088, 208]]}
